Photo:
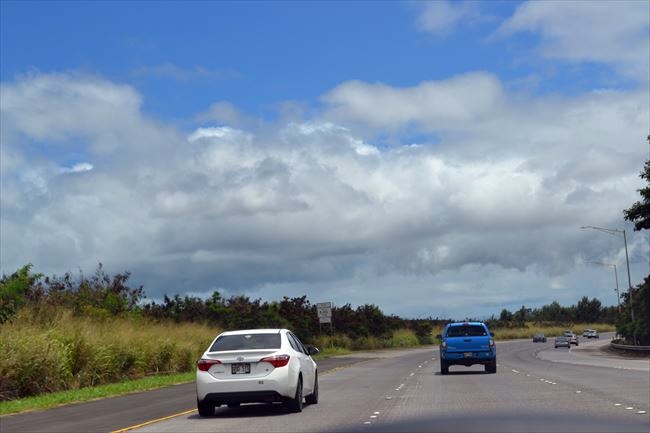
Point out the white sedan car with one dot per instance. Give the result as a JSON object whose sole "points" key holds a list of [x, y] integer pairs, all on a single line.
{"points": [[256, 365]]}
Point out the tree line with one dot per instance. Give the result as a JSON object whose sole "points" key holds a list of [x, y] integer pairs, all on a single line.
{"points": [[103, 295]]}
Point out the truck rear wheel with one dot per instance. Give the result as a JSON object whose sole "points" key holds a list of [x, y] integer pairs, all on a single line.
{"points": [[491, 367], [444, 367]]}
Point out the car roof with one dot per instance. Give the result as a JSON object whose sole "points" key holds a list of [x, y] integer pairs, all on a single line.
{"points": [[466, 323], [253, 331]]}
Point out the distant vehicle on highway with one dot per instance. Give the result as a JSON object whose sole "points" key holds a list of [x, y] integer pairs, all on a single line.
{"points": [[573, 338], [256, 365], [467, 343], [562, 341], [539, 338], [590, 333]]}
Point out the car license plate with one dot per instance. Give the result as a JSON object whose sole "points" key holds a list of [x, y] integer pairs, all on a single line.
{"points": [[241, 368], [468, 354]]}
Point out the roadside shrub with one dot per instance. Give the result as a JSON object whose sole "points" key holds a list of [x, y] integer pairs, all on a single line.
{"points": [[62, 351], [404, 338]]}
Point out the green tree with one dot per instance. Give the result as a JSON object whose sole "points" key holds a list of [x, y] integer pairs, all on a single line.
{"points": [[639, 212], [588, 311], [505, 317], [638, 300], [14, 290], [521, 316]]}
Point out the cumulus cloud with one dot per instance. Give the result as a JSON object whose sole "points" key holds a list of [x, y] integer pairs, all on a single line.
{"points": [[431, 105], [610, 32], [441, 18], [311, 206], [225, 113]]}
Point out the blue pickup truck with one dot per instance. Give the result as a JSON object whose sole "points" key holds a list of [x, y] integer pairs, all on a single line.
{"points": [[467, 343]]}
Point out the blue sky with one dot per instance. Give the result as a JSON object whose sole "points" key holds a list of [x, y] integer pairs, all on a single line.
{"points": [[184, 55], [337, 149]]}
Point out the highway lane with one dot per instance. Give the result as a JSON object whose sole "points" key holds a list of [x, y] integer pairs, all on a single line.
{"points": [[395, 387], [388, 394], [119, 412]]}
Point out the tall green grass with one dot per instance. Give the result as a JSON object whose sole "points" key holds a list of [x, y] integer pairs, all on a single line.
{"points": [[549, 330], [48, 349], [341, 343]]}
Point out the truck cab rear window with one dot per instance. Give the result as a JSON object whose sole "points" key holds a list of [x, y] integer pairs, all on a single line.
{"points": [[466, 331], [246, 342]]}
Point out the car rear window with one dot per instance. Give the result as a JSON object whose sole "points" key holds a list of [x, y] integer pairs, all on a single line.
{"points": [[466, 331], [246, 341]]}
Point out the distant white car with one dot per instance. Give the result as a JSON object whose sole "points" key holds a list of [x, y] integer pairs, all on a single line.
{"points": [[590, 333], [573, 338], [256, 365]]}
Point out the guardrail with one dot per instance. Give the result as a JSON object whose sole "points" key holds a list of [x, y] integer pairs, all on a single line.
{"points": [[639, 349]]}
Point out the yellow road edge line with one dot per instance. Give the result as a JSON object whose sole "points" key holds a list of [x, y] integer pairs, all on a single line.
{"points": [[152, 421]]}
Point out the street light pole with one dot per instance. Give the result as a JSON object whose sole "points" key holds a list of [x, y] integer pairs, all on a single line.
{"points": [[618, 296], [627, 262]]}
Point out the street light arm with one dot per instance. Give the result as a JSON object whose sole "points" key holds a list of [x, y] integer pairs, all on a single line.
{"points": [[613, 232]]}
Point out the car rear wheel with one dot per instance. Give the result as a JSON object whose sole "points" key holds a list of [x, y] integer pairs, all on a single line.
{"points": [[295, 404], [444, 367], [205, 408], [491, 367], [313, 397]]}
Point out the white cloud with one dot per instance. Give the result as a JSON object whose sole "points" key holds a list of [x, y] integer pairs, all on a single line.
{"points": [[78, 168], [610, 32], [442, 17], [312, 206], [430, 105], [226, 113]]}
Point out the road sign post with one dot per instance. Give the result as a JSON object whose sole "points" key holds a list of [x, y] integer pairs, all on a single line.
{"points": [[325, 316]]}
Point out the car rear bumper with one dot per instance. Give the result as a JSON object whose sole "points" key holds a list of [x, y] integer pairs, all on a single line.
{"points": [[243, 397], [476, 358], [281, 382]]}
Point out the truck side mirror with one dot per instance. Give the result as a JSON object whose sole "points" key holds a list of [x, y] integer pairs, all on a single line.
{"points": [[439, 337]]}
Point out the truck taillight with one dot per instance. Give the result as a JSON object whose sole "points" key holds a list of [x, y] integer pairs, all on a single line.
{"points": [[491, 342], [444, 345], [276, 360], [205, 364]]}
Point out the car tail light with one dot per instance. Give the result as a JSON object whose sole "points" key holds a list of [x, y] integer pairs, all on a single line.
{"points": [[491, 342], [276, 360], [205, 364], [444, 345]]}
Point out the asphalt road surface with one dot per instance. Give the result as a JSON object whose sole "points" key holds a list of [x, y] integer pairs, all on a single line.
{"points": [[536, 388]]}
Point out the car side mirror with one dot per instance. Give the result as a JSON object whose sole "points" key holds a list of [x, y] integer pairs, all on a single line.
{"points": [[439, 337], [492, 334], [312, 350]]}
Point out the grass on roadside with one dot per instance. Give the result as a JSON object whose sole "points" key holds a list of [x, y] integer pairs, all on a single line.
{"points": [[550, 330], [53, 399]]}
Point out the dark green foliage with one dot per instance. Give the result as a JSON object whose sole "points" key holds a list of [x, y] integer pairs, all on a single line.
{"points": [[15, 291], [638, 301], [637, 331], [585, 311], [639, 212], [588, 311], [102, 295]]}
